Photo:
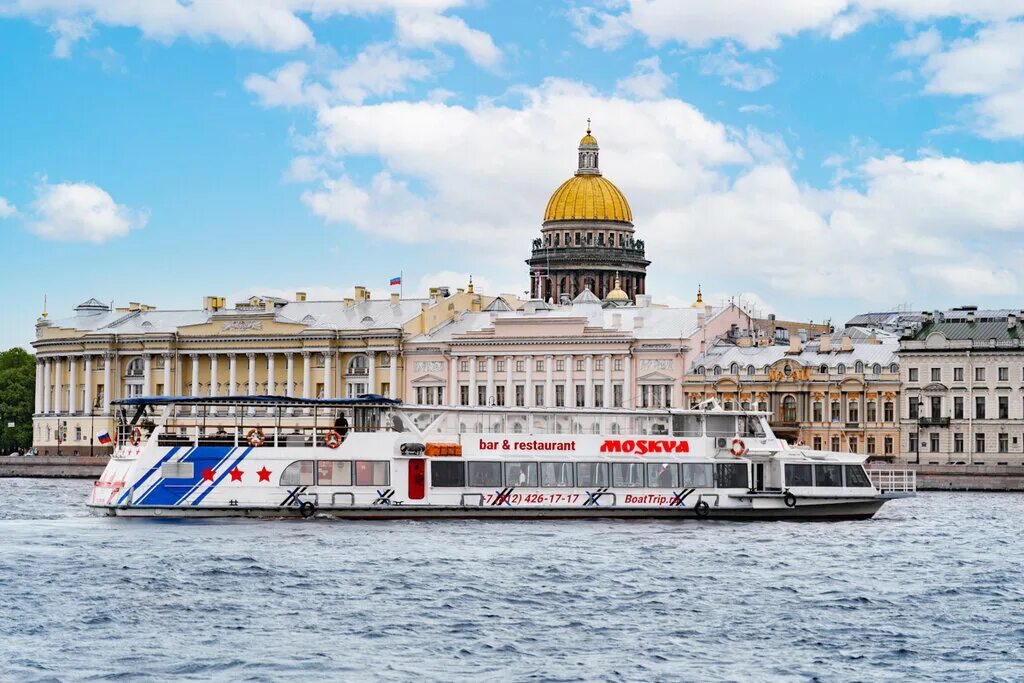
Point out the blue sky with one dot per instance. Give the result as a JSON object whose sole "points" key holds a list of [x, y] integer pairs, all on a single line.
{"points": [[817, 158]]}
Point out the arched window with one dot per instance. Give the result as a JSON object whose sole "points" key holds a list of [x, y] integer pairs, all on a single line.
{"points": [[789, 409], [734, 369], [750, 370], [841, 369], [718, 370], [894, 367], [877, 369], [823, 369], [137, 368], [700, 370], [358, 365], [859, 367]]}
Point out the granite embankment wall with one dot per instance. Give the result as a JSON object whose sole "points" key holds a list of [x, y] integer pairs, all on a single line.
{"points": [[970, 478], [63, 466]]}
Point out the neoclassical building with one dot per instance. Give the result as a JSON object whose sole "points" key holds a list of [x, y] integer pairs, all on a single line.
{"points": [[262, 346], [839, 392], [587, 238]]}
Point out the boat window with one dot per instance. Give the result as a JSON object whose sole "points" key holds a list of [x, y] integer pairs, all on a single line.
{"points": [[444, 474], [627, 474], [334, 472], [856, 477], [686, 425], [520, 474], [697, 475], [662, 475], [373, 472], [299, 473], [177, 470], [731, 475], [721, 425], [484, 473], [799, 475], [751, 426], [828, 475], [592, 473], [556, 474]]}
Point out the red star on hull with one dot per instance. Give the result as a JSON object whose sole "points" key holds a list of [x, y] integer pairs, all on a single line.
{"points": [[236, 474], [264, 474], [209, 474]]}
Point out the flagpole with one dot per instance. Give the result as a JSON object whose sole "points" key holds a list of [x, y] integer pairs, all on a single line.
{"points": [[401, 285]]}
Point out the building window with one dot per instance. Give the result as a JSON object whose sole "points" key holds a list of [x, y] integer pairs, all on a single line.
{"points": [[1004, 374], [538, 395], [936, 374], [872, 411], [520, 366], [913, 402], [958, 443], [481, 366], [912, 375], [618, 365], [500, 366], [958, 374], [854, 412], [817, 411], [481, 395], [560, 395], [979, 443], [734, 369], [888, 445], [912, 442], [979, 374], [834, 414], [617, 395], [858, 368], [1004, 442], [816, 443], [560, 365], [539, 366], [853, 444], [823, 369], [958, 407], [580, 365], [835, 444], [599, 364], [841, 369], [581, 396], [464, 395], [877, 369], [463, 366], [789, 409], [1004, 407], [979, 407], [717, 370], [933, 442], [499, 395], [871, 445], [520, 395], [599, 396], [888, 411]]}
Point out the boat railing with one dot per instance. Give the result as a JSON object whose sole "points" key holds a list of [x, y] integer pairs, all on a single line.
{"points": [[893, 480]]}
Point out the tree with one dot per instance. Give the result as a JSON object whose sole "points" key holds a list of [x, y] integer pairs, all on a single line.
{"points": [[17, 398]]}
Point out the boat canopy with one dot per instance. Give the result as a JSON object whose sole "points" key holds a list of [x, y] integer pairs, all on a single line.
{"points": [[361, 400]]}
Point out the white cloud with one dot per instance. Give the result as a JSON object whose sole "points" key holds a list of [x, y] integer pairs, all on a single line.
{"points": [[735, 73], [286, 87], [425, 29], [647, 81], [377, 70], [755, 109], [67, 31], [81, 212], [7, 209], [989, 68], [921, 45], [757, 24]]}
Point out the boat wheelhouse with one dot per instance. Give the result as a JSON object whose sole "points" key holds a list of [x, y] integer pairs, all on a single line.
{"points": [[372, 458]]}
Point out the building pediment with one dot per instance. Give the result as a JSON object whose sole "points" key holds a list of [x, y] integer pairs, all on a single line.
{"points": [[240, 326], [936, 386], [655, 377], [429, 380]]}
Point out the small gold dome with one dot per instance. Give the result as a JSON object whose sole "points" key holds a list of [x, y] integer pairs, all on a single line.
{"points": [[699, 303], [588, 198], [617, 293], [588, 139]]}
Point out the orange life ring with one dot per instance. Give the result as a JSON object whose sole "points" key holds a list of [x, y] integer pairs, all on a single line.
{"points": [[332, 439], [136, 436], [256, 437], [738, 447]]}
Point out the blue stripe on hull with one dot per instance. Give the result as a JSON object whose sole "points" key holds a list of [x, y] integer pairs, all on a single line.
{"points": [[173, 491]]}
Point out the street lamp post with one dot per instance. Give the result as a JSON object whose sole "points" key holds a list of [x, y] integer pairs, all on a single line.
{"points": [[917, 439]]}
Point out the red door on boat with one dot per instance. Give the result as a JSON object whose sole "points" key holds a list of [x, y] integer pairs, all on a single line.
{"points": [[417, 478]]}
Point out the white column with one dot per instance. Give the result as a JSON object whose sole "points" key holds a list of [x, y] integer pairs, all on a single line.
{"points": [[588, 388], [490, 380], [549, 380], [168, 357], [72, 384], [195, 375], [510, 399], [289, 374], [453, 389], [109, 360], [58, 385], [627, 382], [306, 378], [472, 380], [147, 373], [271, 381], [328, 374], [570, 387], [213, 374], [47, 376], [251, 358], [40, 374], [87, 404], [529, 381], [607, 397], [393, 374], [232, 373], [371, 372]]}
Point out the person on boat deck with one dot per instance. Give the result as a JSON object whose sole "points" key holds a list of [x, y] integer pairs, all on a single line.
{"points": [[664, 476], [341, 425]]}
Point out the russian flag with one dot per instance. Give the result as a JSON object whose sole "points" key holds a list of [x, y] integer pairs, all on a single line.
{"points": [[396, 280], [104, 438]]}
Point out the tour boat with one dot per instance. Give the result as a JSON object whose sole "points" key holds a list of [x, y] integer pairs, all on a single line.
{"points": [[373, 458]]}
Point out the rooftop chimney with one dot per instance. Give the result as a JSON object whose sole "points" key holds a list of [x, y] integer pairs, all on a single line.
{"points": [[795, 347], [803, 335], [846, 343], [348, 302], [825, 345], [300, 296], [394, 298], [213, 303]]}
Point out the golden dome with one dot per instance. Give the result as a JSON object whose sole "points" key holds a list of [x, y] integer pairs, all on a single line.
{"points": [[588, 139], [617, 293], [699, 303], [588, 198]]}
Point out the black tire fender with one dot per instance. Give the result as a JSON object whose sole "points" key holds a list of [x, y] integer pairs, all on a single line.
{"points": [[307, 509], [702, 509], [789, 499]]}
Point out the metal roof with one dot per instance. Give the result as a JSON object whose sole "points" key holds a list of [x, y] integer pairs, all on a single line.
{"points": [[724, 353]]}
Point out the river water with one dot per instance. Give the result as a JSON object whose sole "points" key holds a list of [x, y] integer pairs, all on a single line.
{"points": [[929, 590]]}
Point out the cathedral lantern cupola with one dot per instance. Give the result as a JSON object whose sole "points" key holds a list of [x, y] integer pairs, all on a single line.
{"points": [[587, 237]]}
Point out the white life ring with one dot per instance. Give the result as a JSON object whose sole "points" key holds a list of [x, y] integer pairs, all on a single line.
{"points": [[738, 447]]}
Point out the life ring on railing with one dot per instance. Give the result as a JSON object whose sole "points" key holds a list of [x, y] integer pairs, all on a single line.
{"points": [[307, 509], [256, 437], [789, 499], [332, 439], [738, 447], [702, 509], [136, 436]]}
